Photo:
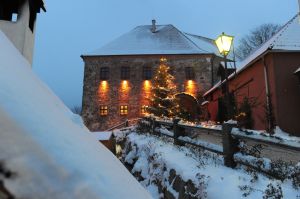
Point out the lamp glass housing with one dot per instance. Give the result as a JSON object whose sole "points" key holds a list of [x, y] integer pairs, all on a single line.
{"points": [[224, 43]]}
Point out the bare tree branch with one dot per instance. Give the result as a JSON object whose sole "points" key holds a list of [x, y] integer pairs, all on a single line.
{"points": [[256, 38]]}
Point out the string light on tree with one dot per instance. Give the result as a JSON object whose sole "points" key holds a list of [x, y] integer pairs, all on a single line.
{"points": [[163, 102]]}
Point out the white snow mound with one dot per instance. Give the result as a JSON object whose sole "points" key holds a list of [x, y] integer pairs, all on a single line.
{"points": [[48, 147]]}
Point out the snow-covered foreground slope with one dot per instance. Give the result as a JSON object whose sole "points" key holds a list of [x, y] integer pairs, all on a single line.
{"points": [[153, 158], [47, 147]]}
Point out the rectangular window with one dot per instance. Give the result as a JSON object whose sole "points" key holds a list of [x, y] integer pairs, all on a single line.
{"points": [[103, 110], [123, 110], [147, 73], [125, 73], [14, 17], [189, 73], [144, 110], [104, 73]]}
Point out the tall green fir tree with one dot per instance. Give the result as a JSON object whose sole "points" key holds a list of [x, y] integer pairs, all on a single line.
{"points": [[163, 101]]}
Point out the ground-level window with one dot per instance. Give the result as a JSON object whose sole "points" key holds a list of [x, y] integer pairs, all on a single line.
{"points": [[104, 73], [103, 110], [189, 73], [123, 110], [144, 109], [125, 73]]}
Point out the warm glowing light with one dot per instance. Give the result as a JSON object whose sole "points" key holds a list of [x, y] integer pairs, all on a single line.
{"points": [[190, 87], [144, 110], [190, 83], [147, 85], [224, 43], [125, 86], [163, 59], [104, 86]]}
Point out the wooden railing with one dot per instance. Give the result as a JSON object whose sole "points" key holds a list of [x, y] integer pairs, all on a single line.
{"points": [[224, 141], [124, 124]]}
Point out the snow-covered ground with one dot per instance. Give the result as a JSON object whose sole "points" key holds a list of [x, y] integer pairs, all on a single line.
{"points": [[220, 181], [48, 148]]}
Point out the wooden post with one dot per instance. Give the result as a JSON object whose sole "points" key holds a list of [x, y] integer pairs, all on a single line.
{"points": [[126, 123], [153, 126], [177, 132], [229, 145]]}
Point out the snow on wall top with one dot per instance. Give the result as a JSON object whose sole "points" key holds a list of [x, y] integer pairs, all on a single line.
{"points": [[166, 40], [102, 136], [48, 147]]}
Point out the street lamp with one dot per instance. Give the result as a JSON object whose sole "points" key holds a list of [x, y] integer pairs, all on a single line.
{"points": [[224, 43]]}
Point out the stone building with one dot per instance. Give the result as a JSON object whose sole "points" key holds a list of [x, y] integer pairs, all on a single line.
{"points": [[117, 77], [17, 22]]}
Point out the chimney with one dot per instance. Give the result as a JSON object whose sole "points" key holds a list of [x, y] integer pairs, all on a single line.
{"points": [[153, 29]]}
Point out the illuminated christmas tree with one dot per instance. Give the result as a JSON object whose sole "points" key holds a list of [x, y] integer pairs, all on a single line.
{"points": [[163, 102]]}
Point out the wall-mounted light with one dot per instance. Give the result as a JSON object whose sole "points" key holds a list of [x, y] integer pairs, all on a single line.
{"points": [[190, 87], [103, 86], [147, 85], [124, 86]]}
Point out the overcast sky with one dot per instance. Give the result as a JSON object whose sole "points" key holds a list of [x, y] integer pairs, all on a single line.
{"points": [[71, 28]]}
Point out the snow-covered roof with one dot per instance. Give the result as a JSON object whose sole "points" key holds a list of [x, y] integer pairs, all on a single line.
{"points": [[102, 136], [166, 40], [48, 148], [297, 71], [286, 39]]}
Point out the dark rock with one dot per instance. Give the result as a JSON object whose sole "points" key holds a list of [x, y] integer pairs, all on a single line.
{"points": [[190, 187], [168, 195], [138, 176], [178, 184], [172, 176]]}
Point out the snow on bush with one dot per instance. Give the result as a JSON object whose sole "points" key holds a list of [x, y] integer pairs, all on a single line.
{"points": [[155, 160]]}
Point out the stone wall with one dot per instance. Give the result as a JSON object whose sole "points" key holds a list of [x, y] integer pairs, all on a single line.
{"points": [[135, 91]]}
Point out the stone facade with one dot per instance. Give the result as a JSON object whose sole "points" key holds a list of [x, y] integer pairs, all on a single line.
{"points": [[134, 92]]}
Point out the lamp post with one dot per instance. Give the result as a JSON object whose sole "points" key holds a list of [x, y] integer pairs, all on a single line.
{"points": [[224, 43]]}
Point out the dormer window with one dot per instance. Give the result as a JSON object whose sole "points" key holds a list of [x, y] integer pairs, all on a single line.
{"points": [[125, 73]]}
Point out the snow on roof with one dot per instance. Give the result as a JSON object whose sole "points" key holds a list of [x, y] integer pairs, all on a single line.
{"points": [[101, 136], [297, 71], [166, 40], [204, 103], [286, 39], [48, 147]]}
